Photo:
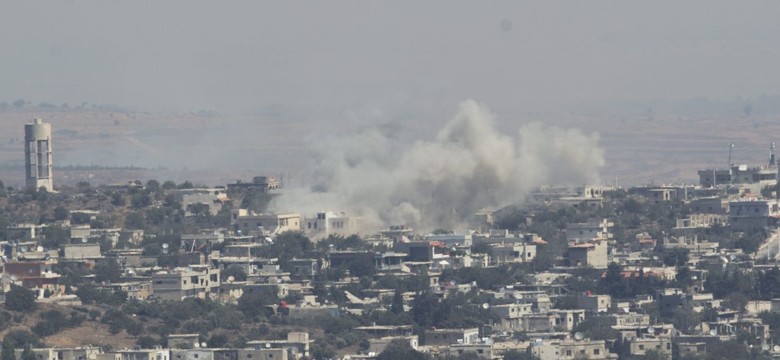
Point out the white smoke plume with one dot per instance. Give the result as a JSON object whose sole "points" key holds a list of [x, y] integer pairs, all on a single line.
{"points": [[441, 183]]}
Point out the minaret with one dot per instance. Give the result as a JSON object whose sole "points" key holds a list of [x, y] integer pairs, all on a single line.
{"points": [[37, 155]]}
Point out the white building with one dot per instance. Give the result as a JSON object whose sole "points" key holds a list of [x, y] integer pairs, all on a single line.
{"points": [[249, 223], [328, 223]]}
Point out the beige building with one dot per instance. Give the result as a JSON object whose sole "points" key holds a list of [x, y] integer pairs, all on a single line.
{"points": [[593, 229], [210, 198], [593, 254], [137, 290], [249, 223], [511, 253], [594, 303], [199, 281], [296, 346], [55, 353], [572, 349], [439, 337], [748, 214], [81, 251]]}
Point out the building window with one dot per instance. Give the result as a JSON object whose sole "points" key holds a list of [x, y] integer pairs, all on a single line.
{"points": [[195, 356], [641, 347], [568, 352], [596, 352]]}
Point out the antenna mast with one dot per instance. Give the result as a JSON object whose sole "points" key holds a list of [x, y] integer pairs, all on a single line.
{"points": [[731, 148]]}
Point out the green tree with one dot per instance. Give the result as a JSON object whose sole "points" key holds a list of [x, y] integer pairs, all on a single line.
{"points": [[256, 303], [135, 220], [61, 213], [20, 299], [140, 200], [397, 306], [7, 352], [676, 257], [55, 236], [168, 185], [27, 353], [400, 349], [107, 270], [289, 245], [153, 186], [147, 342]]}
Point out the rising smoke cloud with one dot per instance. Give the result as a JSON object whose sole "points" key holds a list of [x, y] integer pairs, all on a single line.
{"points": [[442, 182]]}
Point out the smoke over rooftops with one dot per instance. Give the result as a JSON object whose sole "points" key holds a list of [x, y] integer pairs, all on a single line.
{"points": [[442, 182]]}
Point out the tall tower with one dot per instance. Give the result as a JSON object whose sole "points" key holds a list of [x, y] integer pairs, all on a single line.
{"points": [[37, 155]]}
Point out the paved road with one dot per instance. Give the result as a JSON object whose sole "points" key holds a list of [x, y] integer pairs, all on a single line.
{"points": [[770, 247]]}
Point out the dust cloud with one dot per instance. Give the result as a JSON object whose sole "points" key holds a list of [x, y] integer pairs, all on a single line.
{"points": [[442, 182]]}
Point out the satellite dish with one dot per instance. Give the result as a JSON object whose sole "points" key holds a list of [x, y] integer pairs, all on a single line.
{"points": [[230, 279], [650, 330], [714, 332], [267, 345], [486, 306], [578, 336], [732, 257], [165, 245], [84, 240], [197, 344], [203, 344], [776, 348], [39, 249]]}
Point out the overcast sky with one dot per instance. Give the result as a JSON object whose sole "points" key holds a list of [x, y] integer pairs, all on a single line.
{"points": [[256, 56]]}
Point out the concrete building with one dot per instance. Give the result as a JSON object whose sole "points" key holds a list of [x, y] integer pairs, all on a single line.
{"points": [[328, 223], [593, 229], [137, 290], [499, 254], [192, 200], [376, 346], [748, 214], [296, 345], [193, 281], [571, 349], [445, 337], [511, 315], [56, 353], [262, 184], [589, 254], [34, 275], [249, 223], [38, 155], [81, 251], [594, 303]]}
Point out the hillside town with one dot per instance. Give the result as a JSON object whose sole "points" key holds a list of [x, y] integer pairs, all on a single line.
{"points": [[157, 270]]}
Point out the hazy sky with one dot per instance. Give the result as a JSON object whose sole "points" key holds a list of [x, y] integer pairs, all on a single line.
{"points": [[259, 56]]}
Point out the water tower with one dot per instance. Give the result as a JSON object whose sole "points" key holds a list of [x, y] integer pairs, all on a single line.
{"points": [[37, 155]]}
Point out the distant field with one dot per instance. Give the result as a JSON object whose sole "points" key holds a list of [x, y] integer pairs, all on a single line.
{"points": [[219, 149]]}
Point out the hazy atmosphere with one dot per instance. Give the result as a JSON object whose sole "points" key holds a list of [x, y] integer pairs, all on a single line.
{"points": [[268, 79], [389, 179]]}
